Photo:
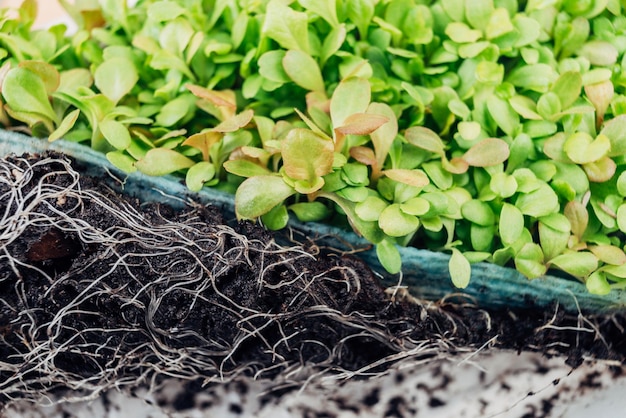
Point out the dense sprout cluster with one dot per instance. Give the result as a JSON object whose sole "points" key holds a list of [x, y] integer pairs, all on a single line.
{"points": [[490, 129]]}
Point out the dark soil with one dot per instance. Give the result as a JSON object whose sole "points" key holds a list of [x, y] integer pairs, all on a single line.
{"points": [[98, 288]]}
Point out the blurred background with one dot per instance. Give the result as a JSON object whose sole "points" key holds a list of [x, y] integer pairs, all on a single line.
{"points": [[50, 11]]}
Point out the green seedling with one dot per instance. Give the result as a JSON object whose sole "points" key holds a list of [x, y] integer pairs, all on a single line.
{"points": [[491, 130]]}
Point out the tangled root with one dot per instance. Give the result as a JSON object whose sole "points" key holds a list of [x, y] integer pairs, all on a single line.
{"points": [[98, 292]]}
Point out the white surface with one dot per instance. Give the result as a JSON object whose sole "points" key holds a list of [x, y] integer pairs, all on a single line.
{"points": [[490, 384]]}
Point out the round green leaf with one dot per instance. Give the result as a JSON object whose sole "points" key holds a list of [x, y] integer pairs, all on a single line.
{"points": [[460, 269], [488, 152], [199, 174], [271, 67], [310, 211], [478, 212], [307, 155], [244, 168], [162, 161], [303, 70], [276, 219], [389, 256], [578, 264], [25, 91], [597, 284], [260, 194], [621, 217], [426, 139], [581, 148], [115, 133], [415, 178], [511, 224], [609, 254], [116, 77], [540, 202], [122, 161], [503, 185], [416, 206], [371, 208], [529, 261], [395, 223]]}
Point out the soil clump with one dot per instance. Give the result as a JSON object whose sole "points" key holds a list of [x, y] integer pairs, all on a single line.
{"points": [[98, 289]]}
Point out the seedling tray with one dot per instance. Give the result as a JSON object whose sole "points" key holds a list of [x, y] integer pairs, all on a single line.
{"points": [[424, 273]]}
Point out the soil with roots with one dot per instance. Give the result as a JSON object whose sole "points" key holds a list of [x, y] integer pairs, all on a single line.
{"points": [[98, 290]]}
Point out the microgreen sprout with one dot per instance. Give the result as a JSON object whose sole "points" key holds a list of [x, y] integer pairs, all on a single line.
{"points": [[492, 130]]}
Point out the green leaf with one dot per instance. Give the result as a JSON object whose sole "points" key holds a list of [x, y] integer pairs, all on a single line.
{"points": [[581, 148], [276, 219], [529, 261], [537, 77], [351, 96], [499, 24], [600, 53], [258, 195], [416, 206], [460, 269], [162, 161], [332, 43], [310, 211], [478, 212], [504, 115], [540, 202], [415, 178], [25, 91], [567, 88], [47, 72], [121, 160], [116, 77], [426, 139], [615, 130], [503, 185], [198, 175], [511, 224], [554, 234], [307, 155], [361, 12], [371, 208], [383, 137], [369, 230], [488, 152], [165, 10], [176, 110], [478, 12], [326, 9], [395, 223], [286, 26], [389, 256], [578, 217], [115, 133], [578, 264], [481, 237], [271, 66], [461, 33], [621, 217], [66, 125], [609, 254], [245, 168], [303, 70], [597, 284]]}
